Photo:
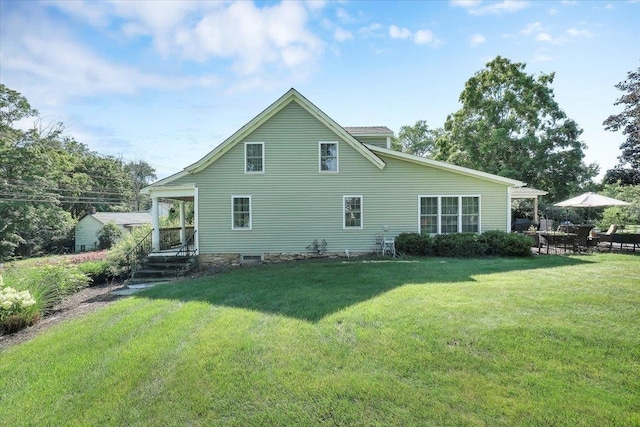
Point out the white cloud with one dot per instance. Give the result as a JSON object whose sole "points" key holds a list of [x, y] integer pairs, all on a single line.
{"points": [[399, 33], [553, 11], [609, 6], [532, 28], [423, 37], [251, 37], [343, 16], [420, 37], [573, 32], [371, 30], [341, 35], [47, 59], [493, 8], [466, 3], [477, 40], [544, 37]]}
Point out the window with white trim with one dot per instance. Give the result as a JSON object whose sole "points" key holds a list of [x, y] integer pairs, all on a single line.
{"points": [[470, 214], [429, 215], [328, 156], [254, 157], [449, 214], [241, 212], [352, 208]]}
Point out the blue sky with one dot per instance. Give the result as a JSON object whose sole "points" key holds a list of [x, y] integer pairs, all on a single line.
{"points": [[166, 82]]}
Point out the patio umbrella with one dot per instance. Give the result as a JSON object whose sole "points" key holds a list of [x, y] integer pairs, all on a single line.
{"points": [[591, 200]]}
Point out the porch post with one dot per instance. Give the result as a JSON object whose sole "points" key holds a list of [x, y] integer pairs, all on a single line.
{"points": [[535, 209], [155, 223], [183, 228]]}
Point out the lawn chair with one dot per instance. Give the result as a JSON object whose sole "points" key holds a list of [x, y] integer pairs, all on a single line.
{"points": [[606, 237], [389, 246]]}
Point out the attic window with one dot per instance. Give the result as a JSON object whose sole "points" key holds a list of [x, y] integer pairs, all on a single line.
{"points": [[254, 157], [328, 156]]}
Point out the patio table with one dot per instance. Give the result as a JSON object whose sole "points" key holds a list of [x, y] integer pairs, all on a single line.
{"points": [[566, 240]]}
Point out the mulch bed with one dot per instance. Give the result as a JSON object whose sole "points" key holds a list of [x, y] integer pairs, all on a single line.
{"points": [[85, 301]]}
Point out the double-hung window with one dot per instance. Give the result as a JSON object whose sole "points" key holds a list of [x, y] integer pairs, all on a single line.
{"points": [[254, 157], [352, 208], [449, 214], [241, 212], [328, 156]]}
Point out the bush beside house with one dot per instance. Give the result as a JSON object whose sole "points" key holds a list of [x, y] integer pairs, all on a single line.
{"points": [[465, 245]]}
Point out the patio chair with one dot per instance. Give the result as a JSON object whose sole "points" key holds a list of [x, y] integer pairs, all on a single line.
{"points": [[389, 246], [606, 237]]}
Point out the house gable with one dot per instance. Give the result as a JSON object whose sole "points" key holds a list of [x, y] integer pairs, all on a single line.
{"points": [[244, 134]]}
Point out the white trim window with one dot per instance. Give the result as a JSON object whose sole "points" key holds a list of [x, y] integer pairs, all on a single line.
{"points": [[254, 157], [327, 156], [448, 214], [241, 212], [352, 212]]}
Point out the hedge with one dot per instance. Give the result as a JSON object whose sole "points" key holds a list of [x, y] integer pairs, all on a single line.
{"points": [[465, 245]]}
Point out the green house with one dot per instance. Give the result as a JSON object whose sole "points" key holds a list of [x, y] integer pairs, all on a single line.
{"points": [[293, 182]]}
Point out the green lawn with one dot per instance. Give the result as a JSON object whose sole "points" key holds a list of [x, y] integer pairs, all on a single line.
{"points": [[483, 342]]}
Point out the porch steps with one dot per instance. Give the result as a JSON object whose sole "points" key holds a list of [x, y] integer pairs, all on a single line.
{"points": [[157, 268]]}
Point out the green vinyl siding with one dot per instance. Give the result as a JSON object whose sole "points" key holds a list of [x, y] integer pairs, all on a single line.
{"points": [[293, 203]]}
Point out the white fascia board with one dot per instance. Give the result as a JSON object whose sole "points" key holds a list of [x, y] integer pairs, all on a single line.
{"points": [[169, 191], [446, 166], [163, 181]]}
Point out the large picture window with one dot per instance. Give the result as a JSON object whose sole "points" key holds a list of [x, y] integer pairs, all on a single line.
{"points": [[352, 212], [449, 214], [328, 156], [241, 212], [254, 157]]}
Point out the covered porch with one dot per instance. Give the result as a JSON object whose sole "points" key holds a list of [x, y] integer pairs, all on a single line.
{"points": [[182, 238], [529, 193]]}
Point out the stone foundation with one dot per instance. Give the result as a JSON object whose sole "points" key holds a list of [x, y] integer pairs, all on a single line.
{"points": [[221, 262], [271, 258]]}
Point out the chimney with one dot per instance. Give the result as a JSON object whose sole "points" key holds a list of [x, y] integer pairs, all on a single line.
{"points": [[91, 210]]}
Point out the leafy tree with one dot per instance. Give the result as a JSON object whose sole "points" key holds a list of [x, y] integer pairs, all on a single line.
{"points": [[629, 122], [418, 139], [621, 215], [47, 180], [108, 235], [625, 176], [142, 174], [511, 125]]}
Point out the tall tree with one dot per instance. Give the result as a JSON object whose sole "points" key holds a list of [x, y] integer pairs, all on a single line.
{"points": [[418, 139], [628, 169], [511, 125], [47, 179], [142, 174]]}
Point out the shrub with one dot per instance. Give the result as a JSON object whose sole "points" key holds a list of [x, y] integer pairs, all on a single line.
{"points": [[47, 284], [108, 235], [117, 256], [465, 245], [96, 271], [16, 309], [501, 243], [414, 244], [462, 245]]}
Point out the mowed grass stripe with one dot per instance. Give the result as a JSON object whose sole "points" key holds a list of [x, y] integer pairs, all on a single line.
{"points": [[426, 342]]}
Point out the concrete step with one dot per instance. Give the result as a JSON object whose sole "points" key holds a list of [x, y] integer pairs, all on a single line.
{"points": [[155, 273], [146, 281]]}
